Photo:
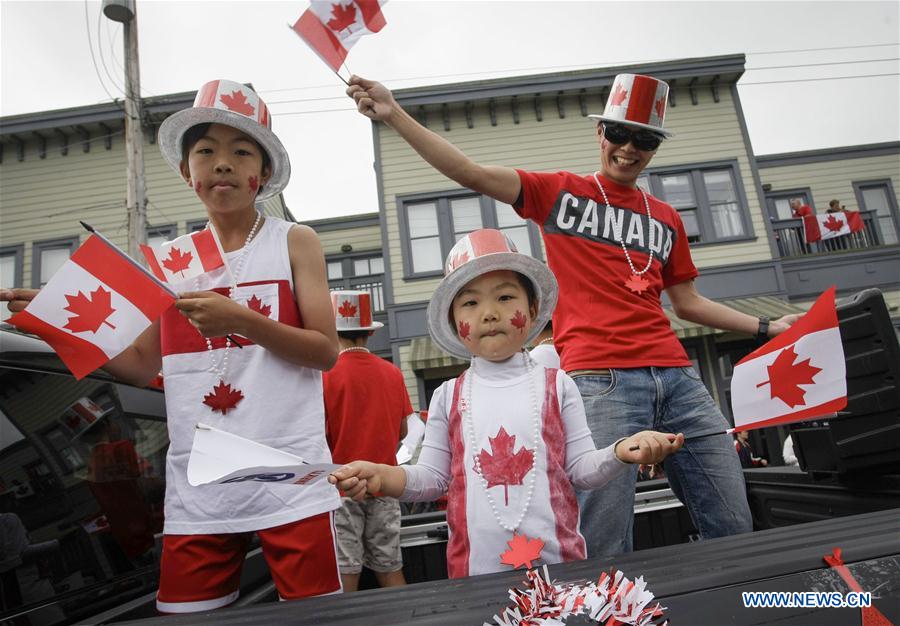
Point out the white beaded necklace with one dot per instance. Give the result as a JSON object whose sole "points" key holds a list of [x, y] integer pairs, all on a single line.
{"points": [[220, 369], [466, 410], [354, 349], [619, 234], [544, 342]]}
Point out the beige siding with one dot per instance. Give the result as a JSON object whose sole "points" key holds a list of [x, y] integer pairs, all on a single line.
{"points": [[42, 199], [706, 132], [409, 377], [834, 179], [362, 238]]}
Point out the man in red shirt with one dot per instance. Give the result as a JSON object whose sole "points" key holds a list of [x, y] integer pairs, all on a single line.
{"points": [[366, 408], [614, 249], [798, 209]]}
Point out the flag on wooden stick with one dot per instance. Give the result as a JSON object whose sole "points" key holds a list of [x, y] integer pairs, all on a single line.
{"points": [[798, 375], [95, 306], [331, 27]]}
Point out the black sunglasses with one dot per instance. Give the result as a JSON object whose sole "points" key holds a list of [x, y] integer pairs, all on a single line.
{"points": [[620, 134]]}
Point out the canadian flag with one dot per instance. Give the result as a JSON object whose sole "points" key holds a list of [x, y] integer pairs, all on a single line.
{"points": [[331, 27], [798, 375], [831, 225], [95, 306], [185, 257]]}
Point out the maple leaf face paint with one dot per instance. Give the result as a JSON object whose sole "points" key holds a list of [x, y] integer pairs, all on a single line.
{"points": [[253, 183], [492, 315]]}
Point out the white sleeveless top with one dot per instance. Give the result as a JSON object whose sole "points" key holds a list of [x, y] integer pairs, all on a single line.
{"points": [[282, 403]]}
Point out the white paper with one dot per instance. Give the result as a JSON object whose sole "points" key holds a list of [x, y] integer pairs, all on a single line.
{"points": [[219, 457]]}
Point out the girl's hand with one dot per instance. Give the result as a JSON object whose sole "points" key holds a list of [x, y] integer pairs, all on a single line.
{"points": [[652, 447], [213, 314], [357, 479], [373, 100], [17, 299]]}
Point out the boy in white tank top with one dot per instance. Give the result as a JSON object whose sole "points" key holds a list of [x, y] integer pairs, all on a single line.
{"points": [[508, 440], [270, 389]]}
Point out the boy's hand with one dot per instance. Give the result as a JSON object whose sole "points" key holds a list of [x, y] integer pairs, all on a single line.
{"points": [[357, 479], [776, 327], [652, 447], [373, 100], [213, 314], [18, 299]]}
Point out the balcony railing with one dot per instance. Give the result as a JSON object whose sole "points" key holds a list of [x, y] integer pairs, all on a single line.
{"points": [[791, 243]]}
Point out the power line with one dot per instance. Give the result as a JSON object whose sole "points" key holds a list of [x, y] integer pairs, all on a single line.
{"points": [[87, 25], [102, 59]]}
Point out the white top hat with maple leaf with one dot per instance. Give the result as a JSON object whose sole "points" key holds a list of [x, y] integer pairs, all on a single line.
{"points": [[353, 311], [478, 253], [236, 105], [637, 100]]}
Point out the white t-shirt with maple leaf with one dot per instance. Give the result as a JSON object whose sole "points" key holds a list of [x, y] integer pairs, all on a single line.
{"points": [[562, 457], [261, 397]]}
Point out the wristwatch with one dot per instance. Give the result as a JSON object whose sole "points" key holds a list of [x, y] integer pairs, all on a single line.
{"points": [[762, 333]]}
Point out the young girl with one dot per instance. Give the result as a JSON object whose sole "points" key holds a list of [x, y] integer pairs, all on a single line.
{"points": [[507, 440], [269, 390]]}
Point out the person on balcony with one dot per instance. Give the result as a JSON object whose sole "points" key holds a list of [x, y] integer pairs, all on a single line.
{"points": [[798, 209], [835, 206]]}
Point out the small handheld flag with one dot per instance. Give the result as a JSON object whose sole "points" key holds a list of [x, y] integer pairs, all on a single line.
{"points": [[331, 27], [186, 257]]}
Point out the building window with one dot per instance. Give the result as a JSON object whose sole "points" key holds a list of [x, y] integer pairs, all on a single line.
{"points": [[779, 202], [360, 273], [195, 226], [878, 196], [709, 199], [10, 272], [48, 257], [430, 226], [158, 235]]}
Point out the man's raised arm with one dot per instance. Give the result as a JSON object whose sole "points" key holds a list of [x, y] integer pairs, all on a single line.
{"points": [[376, 102]]}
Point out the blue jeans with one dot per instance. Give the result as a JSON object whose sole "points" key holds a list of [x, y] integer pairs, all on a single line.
{"points": [[705, 474]]}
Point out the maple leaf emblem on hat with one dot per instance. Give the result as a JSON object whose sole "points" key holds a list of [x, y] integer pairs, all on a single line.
{"points": [[458, 259], [255, 304], [343, 16], [833, 224], [503, 467], [660, 106], [177, 261], [90, 313], [522, 551], [347, 309], [786, 376], [617, 97], [237, 102], [223, 398]]}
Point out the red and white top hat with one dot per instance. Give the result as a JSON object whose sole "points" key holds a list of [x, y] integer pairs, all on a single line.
{"points": [[236, 105], [637, 100], [353, 311], [478, 253]]}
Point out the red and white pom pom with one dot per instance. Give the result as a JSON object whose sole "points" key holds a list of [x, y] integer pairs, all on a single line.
{"points": [[613, 599]]}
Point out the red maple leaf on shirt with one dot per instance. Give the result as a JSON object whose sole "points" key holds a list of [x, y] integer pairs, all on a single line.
{"points": [[503, 467], [518, 320], [223, 398], [237, 102], [618, 96], [522, 551], [833, 224], [343, 16], [90, 312], [177, 261], [637, 284], [255, 304], [786, 376], [347, 309]]}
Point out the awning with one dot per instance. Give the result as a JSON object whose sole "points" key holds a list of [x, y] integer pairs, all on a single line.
{"points": [[424, 355], [760, 305]]}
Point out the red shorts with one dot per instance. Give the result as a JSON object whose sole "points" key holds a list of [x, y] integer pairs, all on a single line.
{"points": [[203, 572]]}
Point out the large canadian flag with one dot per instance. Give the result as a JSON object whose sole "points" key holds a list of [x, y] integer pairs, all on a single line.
{"points": [[798, 375], [95, 306], [331, 27], [185, 257], [831, 225]]}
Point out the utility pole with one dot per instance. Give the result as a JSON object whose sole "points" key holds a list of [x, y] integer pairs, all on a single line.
{"points": [[125, 11]]}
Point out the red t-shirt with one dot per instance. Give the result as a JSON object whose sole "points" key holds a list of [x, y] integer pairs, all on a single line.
{"points": [[803, 211], [365, 402], [599, 322]]}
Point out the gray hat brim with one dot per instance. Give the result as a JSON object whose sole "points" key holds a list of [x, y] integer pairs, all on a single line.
{"points": [[375, 326], [546, 289], [171, 134], [662, 131]]}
